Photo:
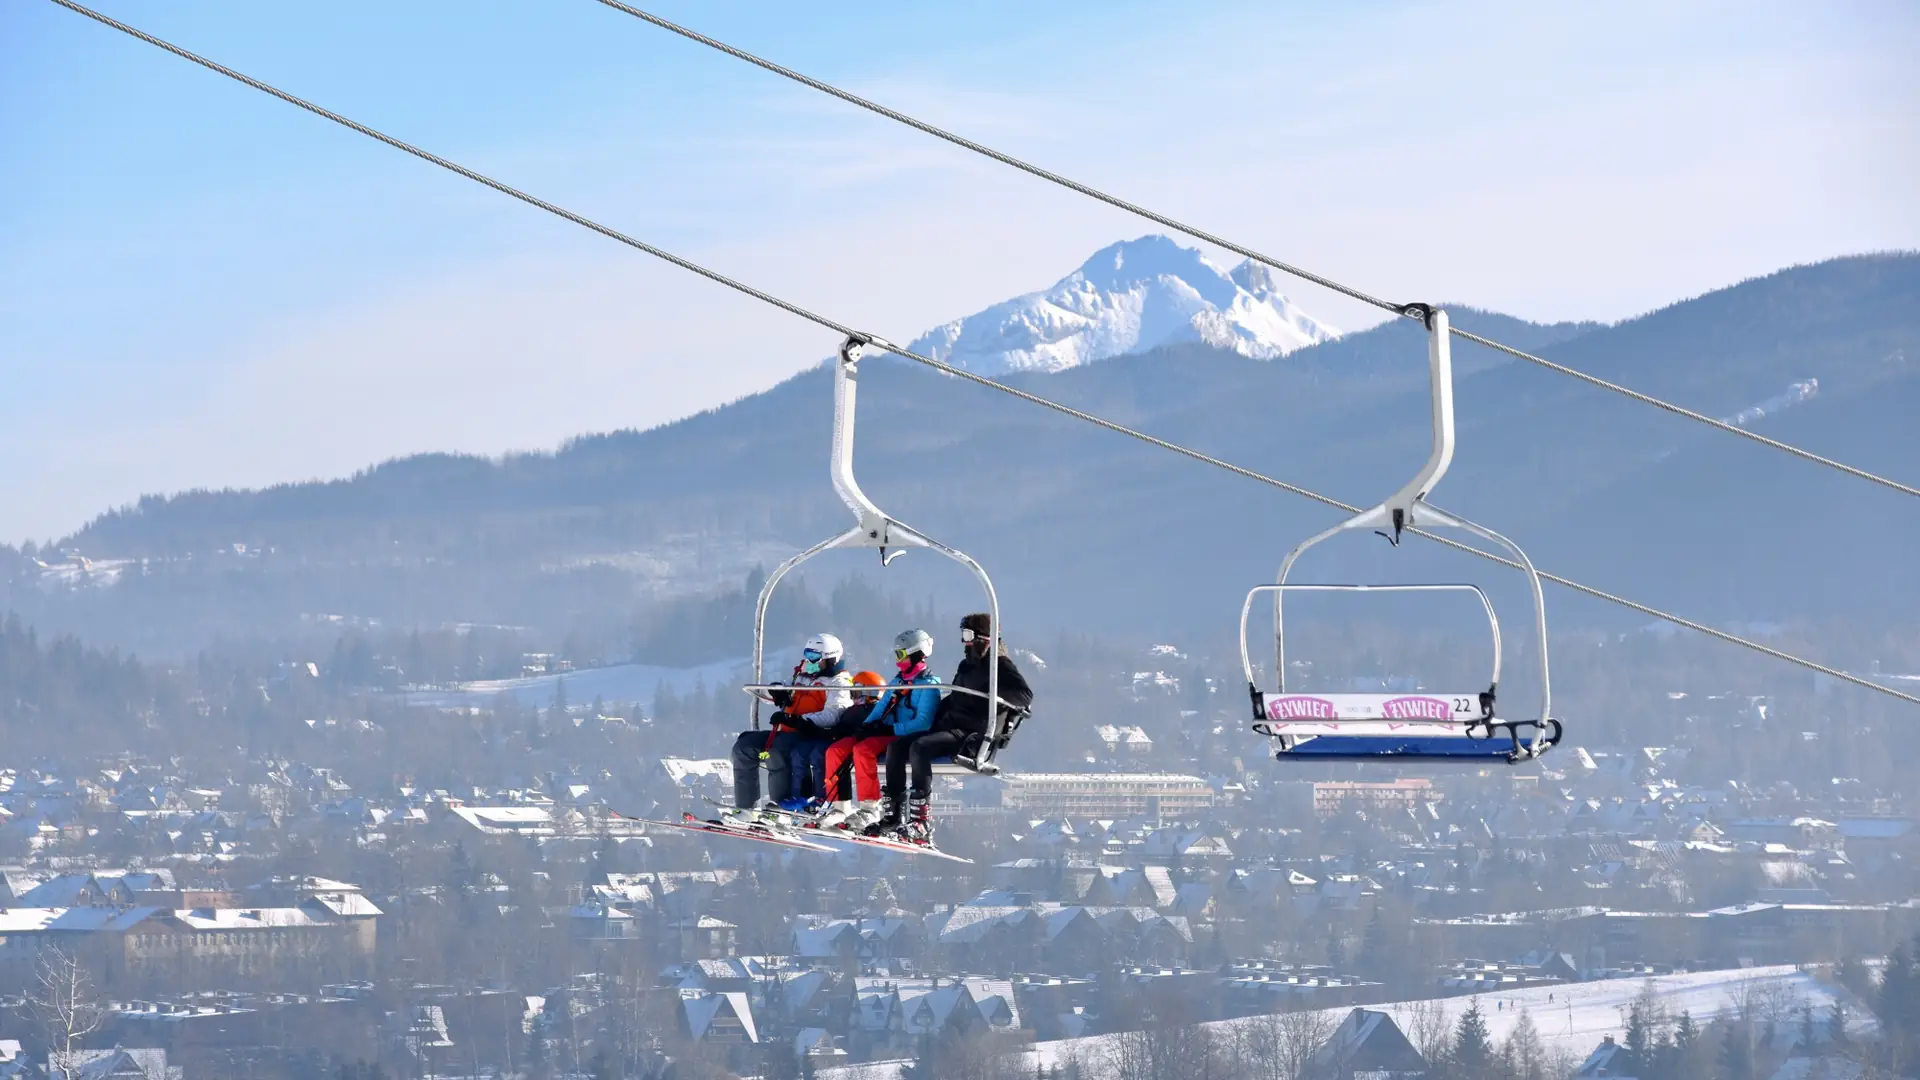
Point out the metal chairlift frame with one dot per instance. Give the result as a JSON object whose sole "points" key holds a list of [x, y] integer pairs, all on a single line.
{"points": [[874, 528], [1365, 716]]}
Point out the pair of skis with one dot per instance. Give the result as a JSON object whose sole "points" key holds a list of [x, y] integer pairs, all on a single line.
{"points": [[792, 832], [806, 828]]}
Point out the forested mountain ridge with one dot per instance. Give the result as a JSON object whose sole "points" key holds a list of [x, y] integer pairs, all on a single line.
{"points": [[1077, 523]]}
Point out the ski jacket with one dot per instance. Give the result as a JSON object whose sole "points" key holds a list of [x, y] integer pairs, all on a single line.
{"points": [[964, 712], [908, 712], [824, 705]]}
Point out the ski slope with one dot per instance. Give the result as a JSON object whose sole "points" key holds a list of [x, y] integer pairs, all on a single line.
{"points": [[1573, 1017], [617, 684]]}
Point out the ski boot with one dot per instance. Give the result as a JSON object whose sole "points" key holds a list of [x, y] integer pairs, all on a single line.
{"points": [[863, 814], [888, 820], [764, 816], [919, 824], [834, 815]]}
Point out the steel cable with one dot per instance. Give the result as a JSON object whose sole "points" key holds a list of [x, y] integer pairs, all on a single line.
{"points": [[1408, 310], [844, 330]]}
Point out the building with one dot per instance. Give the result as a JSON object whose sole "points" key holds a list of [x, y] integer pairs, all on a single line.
{"points": [[1123, 739], [1340, 796], [291, 923], [1106, 795], [115, 1064], [1367, 1042], [725, 1018]]}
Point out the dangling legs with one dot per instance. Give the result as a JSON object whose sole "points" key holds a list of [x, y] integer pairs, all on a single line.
{"points": [[926, 749], [746, 768], [893, 798]]}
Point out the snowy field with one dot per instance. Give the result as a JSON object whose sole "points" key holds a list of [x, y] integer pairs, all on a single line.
{"points": [[1571, 1017], [619, 684]]}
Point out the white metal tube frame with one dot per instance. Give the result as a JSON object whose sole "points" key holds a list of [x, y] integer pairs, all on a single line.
{"points": [[1280, 679], [873, 528], [1408, 507]]}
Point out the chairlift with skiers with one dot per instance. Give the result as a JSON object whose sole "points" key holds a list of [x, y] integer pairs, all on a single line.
{"points": [[874, 528]]}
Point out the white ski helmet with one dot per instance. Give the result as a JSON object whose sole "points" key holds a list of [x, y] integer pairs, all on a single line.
{"points": [[910, 642], [821, 649]]}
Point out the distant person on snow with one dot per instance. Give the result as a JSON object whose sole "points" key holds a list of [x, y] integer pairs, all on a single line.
{"points": [[820, 693], [960, 727], [901, 705]]}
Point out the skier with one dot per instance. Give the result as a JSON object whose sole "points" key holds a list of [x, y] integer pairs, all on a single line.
{"points": [[960, 726], [810, 781], [897, 708], [818, 696]]}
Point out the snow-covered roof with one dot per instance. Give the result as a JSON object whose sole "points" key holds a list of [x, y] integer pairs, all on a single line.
{"points": [[345, 904], [508, 820], [238, 919], [704, 1007]]}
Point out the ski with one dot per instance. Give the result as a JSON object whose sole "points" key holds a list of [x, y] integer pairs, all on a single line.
{"points": [[718, 828], [788, 821], [885, 844], [809, 830]]}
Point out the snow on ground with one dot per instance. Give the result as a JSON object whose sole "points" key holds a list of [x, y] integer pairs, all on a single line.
{"points": [[1578, 1014], [618, 684], [1572, 1016]]}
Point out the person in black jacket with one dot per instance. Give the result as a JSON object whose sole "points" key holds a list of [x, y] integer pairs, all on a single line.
{"points": [[957, 729]]}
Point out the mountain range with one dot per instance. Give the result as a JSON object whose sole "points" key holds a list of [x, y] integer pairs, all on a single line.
{"points": [[1084, 530]]}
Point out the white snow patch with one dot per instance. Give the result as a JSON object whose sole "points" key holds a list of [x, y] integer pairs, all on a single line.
{"points": [[1794, 394]]}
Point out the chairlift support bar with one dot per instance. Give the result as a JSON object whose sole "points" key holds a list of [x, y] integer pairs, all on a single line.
{"points": [[874, 528], [1405, 509]]}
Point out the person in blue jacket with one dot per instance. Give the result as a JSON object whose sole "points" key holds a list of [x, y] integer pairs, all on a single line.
{"points": [[911, 713], [958, 727]]}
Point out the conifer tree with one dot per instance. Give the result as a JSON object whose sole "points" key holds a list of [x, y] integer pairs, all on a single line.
{"points": [[1736, 1056], [1472, 1045]]}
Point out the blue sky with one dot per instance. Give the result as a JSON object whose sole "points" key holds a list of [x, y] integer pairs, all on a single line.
{"points": [[203, 287]]}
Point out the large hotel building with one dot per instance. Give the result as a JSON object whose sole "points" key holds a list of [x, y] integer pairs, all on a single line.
{"points": [[1106, 795]]}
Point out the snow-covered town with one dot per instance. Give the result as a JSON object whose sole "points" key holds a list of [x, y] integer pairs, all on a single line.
{"points": [[281, 912]]}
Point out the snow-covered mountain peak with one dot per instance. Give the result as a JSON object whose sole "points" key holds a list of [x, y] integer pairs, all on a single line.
{"points": [[1126, 298]]}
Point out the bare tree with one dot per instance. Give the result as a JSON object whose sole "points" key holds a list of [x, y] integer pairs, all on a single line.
{"points": [[1166, 1051], [1280, 1045], [62, 1001], [1425, 1024], [974, 1056], [1524, 1054]]}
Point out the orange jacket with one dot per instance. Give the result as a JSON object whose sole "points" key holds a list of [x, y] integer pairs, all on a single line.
{"points": [[820, 700]]}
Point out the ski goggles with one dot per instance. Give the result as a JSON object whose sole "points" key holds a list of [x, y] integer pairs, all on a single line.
{"points": [[812, 656], [903, 654], [968, 637]]}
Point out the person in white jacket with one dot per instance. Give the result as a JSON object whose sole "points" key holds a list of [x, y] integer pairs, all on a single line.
{"points": [[822, 690]]}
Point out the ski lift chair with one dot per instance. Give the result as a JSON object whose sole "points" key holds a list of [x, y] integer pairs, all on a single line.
{"points": [[1453, 726], [873, 528]]}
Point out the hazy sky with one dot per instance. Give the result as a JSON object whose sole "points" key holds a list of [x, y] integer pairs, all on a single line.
{"points": [[202, 287]]}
